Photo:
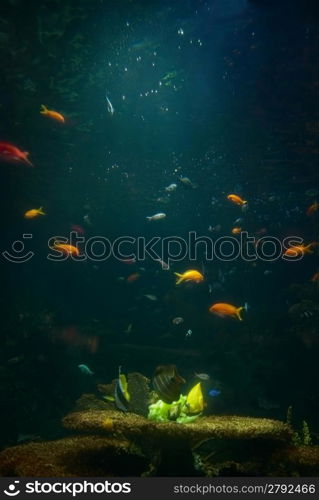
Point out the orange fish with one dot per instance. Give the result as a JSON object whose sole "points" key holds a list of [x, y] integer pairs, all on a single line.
{"points": [[236, 230], [132, 277], [223, 310], [65, 248], [315, 278], [191, 275], [34, 212], [12, 154], [52, 114], [300, 250], [312, 209], [236, 199]]}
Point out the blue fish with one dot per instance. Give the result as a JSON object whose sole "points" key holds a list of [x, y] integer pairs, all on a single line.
{"points": [[214, 392], [85, 369]]}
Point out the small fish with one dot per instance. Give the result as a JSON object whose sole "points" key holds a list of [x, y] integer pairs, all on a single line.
{"points": [[178, 320], [300, 250], [150, 297], [129, 328], [129, 262], [109, 106], [121, 395], [240, 220], [187, 182], [216, 228], [33, 213], [133, 277], [54, 115], [12, 154], [236, 199], [214, 393], [87, 220], [65, 248], [312, 209], [191, 275], [223, 310], [77, 229], [171, 188], [188, 334], [158, 216], [315, 278], [202, 376], [165, 265], [261, 231], [195, 399], [236, 230], [85, 369]]}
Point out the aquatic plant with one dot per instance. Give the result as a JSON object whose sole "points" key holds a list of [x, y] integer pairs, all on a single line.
{"points": [[305, 434], [301, 437]]}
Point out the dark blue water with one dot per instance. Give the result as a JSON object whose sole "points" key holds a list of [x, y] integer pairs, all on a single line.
{"points": [[221, 92]]}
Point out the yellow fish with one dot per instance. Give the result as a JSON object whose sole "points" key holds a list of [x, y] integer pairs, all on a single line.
{"points": [[195, 399], [124, 386], [34, 212], [191, 275]]}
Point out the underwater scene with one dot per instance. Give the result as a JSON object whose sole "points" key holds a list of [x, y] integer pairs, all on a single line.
{"points": [[160, 238]]}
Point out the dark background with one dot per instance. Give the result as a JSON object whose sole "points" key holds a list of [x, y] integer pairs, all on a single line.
{"points": [[236, 111]]}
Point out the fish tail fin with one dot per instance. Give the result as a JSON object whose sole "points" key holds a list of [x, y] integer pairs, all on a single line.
{"points": [[310, 248], [239, 313], [149, 218], [43, 109], [179, 278], [41, 212], [26, 159]]}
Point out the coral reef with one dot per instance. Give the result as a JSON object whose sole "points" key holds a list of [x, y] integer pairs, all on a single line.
{"points": [[73, 457], [220, 427], [114, 443]]}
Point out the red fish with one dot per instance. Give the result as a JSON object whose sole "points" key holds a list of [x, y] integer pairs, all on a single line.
{"points": [[77, 229], [312, 209], [12, 154], [133, 277], [129, 261]]}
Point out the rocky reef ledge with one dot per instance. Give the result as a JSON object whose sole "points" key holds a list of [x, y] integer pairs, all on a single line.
{"points": [[113, 443]]}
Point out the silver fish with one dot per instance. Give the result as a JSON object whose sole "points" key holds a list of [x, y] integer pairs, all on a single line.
{"points": [[202, 376], [165, 265], [178, 320], [171, 188], [109, 106], [150, 297], [158, 216]]}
